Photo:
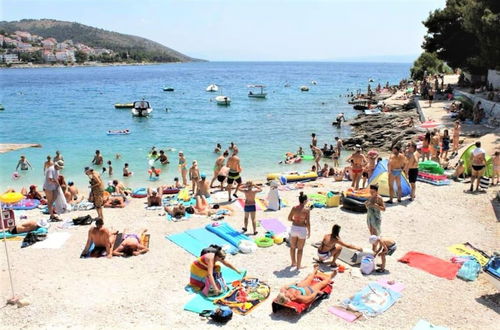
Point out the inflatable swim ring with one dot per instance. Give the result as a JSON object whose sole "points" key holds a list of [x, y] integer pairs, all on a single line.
{"points": [[23, 204], [354, 205], [171, 191], [140, 193], [264, 242], [157, 171], [360, 194]]}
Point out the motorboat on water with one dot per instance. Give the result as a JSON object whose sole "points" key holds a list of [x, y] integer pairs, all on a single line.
{"points": [[124, 105], [258, 95], [304, 89], [141, 109], [168, 89], [212, 88], [223, 100]]}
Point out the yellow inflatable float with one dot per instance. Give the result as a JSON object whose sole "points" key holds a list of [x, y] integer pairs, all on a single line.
{"points": [[293, 176]]}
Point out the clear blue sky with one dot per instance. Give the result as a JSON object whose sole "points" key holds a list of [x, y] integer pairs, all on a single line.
{"points": [[253, 29]]}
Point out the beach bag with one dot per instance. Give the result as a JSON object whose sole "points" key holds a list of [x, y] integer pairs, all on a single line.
{"points": [[484, 182], [367, 265], [221, 315], [60, 204], [470, 269], [332, 199], [209, 291], [83, 220]]}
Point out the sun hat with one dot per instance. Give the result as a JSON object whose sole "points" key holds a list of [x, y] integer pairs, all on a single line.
{"points": [[43, 223], [59, 164], [373, 239]]}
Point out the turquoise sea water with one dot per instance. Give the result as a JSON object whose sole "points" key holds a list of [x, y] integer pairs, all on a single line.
{"points": [[70, 109]]}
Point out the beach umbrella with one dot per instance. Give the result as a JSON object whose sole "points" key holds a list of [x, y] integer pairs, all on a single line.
{"points": [[8, 198], [430, 124]]}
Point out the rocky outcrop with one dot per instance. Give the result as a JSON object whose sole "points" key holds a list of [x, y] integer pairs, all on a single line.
{"points": [[382, 131]]}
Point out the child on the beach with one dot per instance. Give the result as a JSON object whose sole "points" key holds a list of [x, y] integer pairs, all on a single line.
{"points": [[194, 175], [374, 205], [154, 174], [250, 208], [382, 246], [496, 167]]}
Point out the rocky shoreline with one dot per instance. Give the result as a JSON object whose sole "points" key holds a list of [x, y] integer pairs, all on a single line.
{"points": [[383, 130]]}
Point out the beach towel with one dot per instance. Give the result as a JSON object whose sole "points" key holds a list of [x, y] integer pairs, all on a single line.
{"points": [[38, 231], [372, 300], [208, 238], [425, 325], [463, 250], [299, 307], [274, 225], [395, 286], [430, 264], [228, 233], [53, 241], [246, 295], [344, 314]]}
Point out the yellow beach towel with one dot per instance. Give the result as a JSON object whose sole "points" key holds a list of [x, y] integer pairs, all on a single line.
{"points": [[462, 250]]}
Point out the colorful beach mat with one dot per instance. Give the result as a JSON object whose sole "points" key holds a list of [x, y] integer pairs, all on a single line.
{"points": [[463, 250], [372, 300], [430, 264], [246, 295], [273, 225]]}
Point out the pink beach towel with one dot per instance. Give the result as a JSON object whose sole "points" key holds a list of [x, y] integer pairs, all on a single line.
{"points": [[343, 314], [431, 264], [396, 286]]}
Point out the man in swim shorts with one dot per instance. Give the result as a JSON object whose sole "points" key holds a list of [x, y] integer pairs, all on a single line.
{"points": [[219, 164], [478, 164], [250, 208], [233, 163], [154, 197], [102, 238], [411, 168], [395, 167]]}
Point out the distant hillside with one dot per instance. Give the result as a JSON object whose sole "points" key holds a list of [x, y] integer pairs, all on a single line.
{"points": [[97, 38]]}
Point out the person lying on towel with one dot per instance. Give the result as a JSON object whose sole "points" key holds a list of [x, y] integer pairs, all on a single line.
{"points": [[115, 201], [306, 291], [26, 227], [206, 271], [131, 245], [102, 238]]}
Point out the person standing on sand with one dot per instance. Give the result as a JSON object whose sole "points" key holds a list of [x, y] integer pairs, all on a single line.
{"points": [[445, 144], [358, 163], [430, 96], [395, 168], [194, 175], [219, 163], [426, 146], [51, 186], [382, 247], [98, 160], [496, 168], [374, 205], [250, 208], [47, 164], [411, 168], [96, 190], [314, 140], [456, 137], [300, 231], [478, 164], [435, 138], [233, 163], [318, 154], [183, 168]]}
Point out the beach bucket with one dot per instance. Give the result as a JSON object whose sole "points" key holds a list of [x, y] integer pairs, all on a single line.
{"points": [[367, 265]]}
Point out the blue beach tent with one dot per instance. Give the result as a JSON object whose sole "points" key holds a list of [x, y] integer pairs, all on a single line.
{"points": [[380, 177]]}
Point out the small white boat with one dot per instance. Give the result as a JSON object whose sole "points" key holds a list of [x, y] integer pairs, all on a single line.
{"points": [[372, 111], [223, 100], [304, 89], [259, 95], [141, 109], [212, 88]]}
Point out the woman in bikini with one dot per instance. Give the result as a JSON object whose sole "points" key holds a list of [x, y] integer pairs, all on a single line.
{"points": [[456, 137], [183, 168], [331, 246], [306, 291], [426, 146], [301, 230]]}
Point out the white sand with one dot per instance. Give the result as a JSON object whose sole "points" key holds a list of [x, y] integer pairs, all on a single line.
{"points": [[148, 291]]}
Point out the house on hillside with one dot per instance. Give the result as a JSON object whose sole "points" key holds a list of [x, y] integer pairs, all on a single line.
{"points": [[49, 43], [24, 36], [48, 56], [102, 51], [65, 56], [9, 58]]}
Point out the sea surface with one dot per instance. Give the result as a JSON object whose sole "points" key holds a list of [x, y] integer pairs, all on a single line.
{"points": [[71, 109]]}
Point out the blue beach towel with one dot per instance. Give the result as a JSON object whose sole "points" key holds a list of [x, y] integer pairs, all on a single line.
{"points": [[372, 300], [228, 233]]}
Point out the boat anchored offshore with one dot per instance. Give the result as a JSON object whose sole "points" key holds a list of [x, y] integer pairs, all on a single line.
{"points": [[118, 132], [168, 89], [223, 100], [212, 88], [141, 109], [124, 105], [258, 95], [304, 89]]}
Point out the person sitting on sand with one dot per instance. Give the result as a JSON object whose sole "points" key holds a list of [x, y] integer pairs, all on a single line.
{"points": [[203, 187], [162, 158], [126, 171], [339, 175], [205, 269], [102, 238], [250, 207], [459, 171], [26, 227], [324, 171], [131, 245], [300, 231], [72, 194], [154, 197], [305, 291], [273, 201], [395, 166], [120, 188], [382, 246], [331, 246], [24, 164], [34, 194], [114, 201], [202, 207]]}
